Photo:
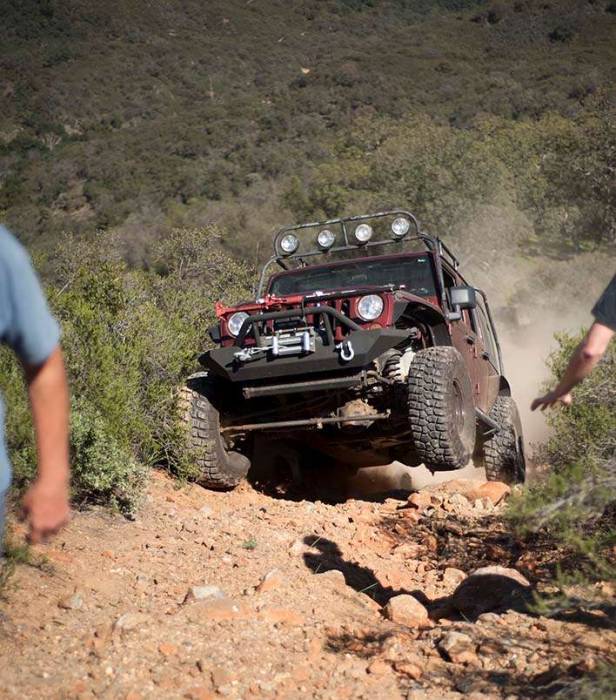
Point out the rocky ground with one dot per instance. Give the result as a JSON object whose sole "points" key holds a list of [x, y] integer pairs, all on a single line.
{"points": [[248, 595]]}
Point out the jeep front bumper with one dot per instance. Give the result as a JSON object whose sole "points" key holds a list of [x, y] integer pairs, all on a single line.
{"points": [[266, 363]]}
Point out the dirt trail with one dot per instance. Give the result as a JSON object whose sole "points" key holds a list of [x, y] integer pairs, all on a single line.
{"points": [[114, 613]]}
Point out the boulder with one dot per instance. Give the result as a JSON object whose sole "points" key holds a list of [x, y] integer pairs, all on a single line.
{"points": [[458, 648], [453, 577], [334, 575], [131, 621], [407, 610], [496, 491], [203, 593], [491, 588]]}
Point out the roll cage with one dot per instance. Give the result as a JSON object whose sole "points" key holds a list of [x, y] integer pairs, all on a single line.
{"points": [[440, 253]]}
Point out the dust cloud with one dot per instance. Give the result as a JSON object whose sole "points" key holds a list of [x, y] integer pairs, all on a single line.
{"points": [[525, 352]]}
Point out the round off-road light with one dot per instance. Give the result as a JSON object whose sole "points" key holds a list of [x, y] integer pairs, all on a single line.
{"points": [[363, 233], [235, 321], [400, 227], [289, 243], [370, 307], [326, 239]]}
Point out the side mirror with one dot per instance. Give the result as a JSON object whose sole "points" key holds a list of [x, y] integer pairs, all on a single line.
{"points": [[461, 298]]}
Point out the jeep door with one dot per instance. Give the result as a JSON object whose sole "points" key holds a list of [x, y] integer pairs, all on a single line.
{"points": [[487, 355], [465, 339]]}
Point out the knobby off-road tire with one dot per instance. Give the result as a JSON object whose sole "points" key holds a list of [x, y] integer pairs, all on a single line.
{"points": [[503, 453], [221, 468], [441, 411]]}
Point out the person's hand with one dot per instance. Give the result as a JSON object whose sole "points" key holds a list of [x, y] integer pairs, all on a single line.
{"points": [[551, 399], [46, 508]]}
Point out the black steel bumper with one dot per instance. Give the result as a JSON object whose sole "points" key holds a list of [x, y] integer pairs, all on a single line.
{"points": [[367, 346]]}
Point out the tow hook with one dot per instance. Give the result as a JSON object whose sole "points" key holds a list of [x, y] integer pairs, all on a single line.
{"points": [[346, 350]]}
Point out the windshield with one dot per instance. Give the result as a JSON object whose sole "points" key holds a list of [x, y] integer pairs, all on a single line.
{"points": [[413, 273]]}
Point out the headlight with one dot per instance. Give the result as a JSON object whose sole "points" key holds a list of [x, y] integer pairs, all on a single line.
{"points": [[400, 227], [370, 307], [326, 239], [363, 233], [235, 321], [289, 243]]}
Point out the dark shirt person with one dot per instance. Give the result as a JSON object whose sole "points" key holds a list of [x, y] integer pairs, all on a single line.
{"points": [[29, 329], [588, 352]]}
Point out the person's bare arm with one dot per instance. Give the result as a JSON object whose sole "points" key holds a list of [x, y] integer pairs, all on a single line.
{"points": [[46, 503], [583, 361]]}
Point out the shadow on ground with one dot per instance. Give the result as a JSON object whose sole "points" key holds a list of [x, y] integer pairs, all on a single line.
{"points": [[360, 578], [282, 469]]}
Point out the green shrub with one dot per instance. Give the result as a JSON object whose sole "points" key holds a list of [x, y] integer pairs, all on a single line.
{"points": [[130, 338], [103, 470], [575, 504], [585, 431]]}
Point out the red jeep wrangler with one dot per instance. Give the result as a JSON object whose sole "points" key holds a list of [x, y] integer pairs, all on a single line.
{"points": [[380, 352]]}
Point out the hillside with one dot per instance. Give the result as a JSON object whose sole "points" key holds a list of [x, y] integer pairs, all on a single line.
{"points": [[185, 113]]}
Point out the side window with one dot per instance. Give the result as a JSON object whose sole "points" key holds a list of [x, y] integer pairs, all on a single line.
{"points": [[485, 330], [448, 279]]}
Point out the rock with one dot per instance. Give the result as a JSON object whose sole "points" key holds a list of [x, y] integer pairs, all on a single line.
{"points": [[441, 609], [453, 577], [297, 548], [378, 667], [430, 543], [420, 500], [131, 621], [206, 511], [458, 648], [217, 610], [167, 649], [410, 514], [410, 669], [282, 616], [220, 677], [334, 575], [272, 579], [488, 618], [484, 505], [495, 491], [407, 550], [407, 610], [456, 503], [203, 593], [490, 588], [418, 694], [71, 602], [460, 486]]}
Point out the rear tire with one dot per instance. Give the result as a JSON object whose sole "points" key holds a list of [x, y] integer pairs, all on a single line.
{"points": [[221, 468], [503, 453], [441, 411]]}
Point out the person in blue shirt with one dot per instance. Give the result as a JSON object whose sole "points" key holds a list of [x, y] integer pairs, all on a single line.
{"points": [[29, 329]]}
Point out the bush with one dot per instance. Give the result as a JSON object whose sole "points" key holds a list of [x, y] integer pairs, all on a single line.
{"points": [[575, 504], [130, 337], [102, 469]]}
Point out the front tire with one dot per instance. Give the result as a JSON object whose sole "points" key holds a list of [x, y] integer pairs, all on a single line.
{"points": [[441, 410], [503, 453], [220, 467]]}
